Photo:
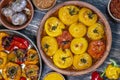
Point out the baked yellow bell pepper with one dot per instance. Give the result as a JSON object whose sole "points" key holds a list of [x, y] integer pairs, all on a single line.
{"points": [[31, 72], [63, 59], [96, 31], [32, 57], [112, 71], [11, 71], [2, 35], [12, 57], [3, 59], [49, 45], [87, 17], [82, 61], [79, 45], [53, 26], [68, 14], [77, 30]]}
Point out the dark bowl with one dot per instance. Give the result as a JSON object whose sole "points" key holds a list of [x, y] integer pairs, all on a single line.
{"points": [[9, 25]]}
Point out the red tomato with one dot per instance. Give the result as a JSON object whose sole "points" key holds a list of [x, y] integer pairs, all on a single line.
{"points": [[96, 49], [64, 40], [23, 78]]}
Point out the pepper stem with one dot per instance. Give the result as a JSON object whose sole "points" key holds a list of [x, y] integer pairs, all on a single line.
{"points": [[103, 73], [113, 62]]}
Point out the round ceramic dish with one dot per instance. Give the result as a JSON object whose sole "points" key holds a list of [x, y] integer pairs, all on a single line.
{"points": [[108, 8], [60, 75], [7, 24], [42, 8], [50, 63], [32, 45]]}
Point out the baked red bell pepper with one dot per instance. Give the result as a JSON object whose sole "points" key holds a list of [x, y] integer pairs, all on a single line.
{"points": [[18, 42]]}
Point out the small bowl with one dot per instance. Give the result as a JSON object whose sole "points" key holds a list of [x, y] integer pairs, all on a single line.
{"points": [[107, 30], [54, 73], [116, 19], [9, 25], [44, 8]]}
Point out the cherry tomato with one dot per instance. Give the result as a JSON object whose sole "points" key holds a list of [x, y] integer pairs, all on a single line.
{"points": [[96, 48], [64, 40], [23, 78]]}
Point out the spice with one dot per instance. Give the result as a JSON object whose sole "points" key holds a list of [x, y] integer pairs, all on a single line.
{"points": [[44, 3], [115, 8]]}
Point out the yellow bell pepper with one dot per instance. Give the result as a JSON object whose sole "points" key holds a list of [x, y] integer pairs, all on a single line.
{"points": [[77, 30], [63, 59], [11, 71], [32, 71], [96, 31], [12, 57], [68, 14], [112, 71], [3, 59], [32, 57], [49, 45], [79, 45], [82, 61], [87, 17], [2, 35], [53, 26]]}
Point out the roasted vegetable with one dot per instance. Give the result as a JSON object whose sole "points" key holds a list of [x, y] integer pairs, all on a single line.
{"points": [[96, 31], [96, 49], [53, 26], [3, 59], [7, 12], [2, 35], [19, 18], [32, 57], [18, 42], [12, 57], [77, 30], [19, 5], [63, 59], [79, 45], [32, 72], [49, 45], [68, 14], [64, 40], [87, 17], [11, 71], [112, 71], [82, 61]]}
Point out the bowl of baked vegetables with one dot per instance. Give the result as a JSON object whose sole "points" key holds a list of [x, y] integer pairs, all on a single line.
{"points": [[19, 57], [74, 38]]}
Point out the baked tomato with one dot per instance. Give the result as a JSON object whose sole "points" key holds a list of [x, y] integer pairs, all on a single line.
{"points": [[79, 45], [96, 31], [64, 40], [77, 30], [96, 49], [63, 59], [53, 26], [87, 17], [12, 71], [3, 59], [82, 61], [49, 45], [68, 14]]}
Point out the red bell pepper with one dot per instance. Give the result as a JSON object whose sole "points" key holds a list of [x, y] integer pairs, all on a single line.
{"points": [[18, 42], [97, 76]]}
